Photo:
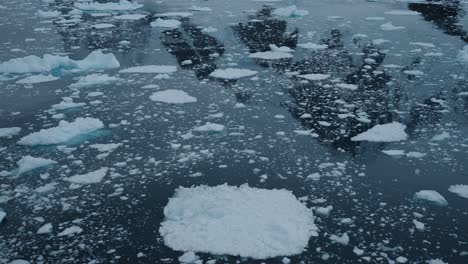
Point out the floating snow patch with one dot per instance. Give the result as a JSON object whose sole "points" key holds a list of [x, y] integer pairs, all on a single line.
{"points": [[93, 79], [232, 73], [239, 221], [9, 131], [460, 190], [67, 103], [29, 163], [160, 69], [166, 23], [119, 6], [402, 13], [172, 96], [64, 132], [210, 127], [88, 178], [96, 60], [390, 132], [271, 55], [315, 76], [431, 196], [37, 79], [290, 11], [313, 46]]}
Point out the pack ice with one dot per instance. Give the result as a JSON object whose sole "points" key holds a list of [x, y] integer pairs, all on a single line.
{"points": [[239, 221]]}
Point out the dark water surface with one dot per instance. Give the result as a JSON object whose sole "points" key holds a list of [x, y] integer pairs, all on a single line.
{"points": [[121, 215]]}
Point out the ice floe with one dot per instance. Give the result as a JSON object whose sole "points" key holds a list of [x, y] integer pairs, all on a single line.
{"points": [[390, 132], [232, 73], [210, 127], [45, 229], [460, 190], [67, 102], [64, 132], [166, 23], [431, 196], [172, 96], [9, 131], [315, 76], [37, 79], [271, 55], [402, 13], [161, 69], [240, 221], [88, 178], [29, 163], [93, 79], [463, 54], [290, 11], [123, 5], [313, 46]]}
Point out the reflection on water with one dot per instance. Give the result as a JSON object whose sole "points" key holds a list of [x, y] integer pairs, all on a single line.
{"points": [[444, 14]]}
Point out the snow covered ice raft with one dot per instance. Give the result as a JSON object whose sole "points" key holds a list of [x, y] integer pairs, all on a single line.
{"points": [[239, 221]]}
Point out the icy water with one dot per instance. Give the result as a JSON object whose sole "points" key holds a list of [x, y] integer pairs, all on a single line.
{"points": [[279, 127]]}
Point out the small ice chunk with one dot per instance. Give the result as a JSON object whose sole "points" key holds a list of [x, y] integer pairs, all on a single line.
{"points": [[37, 79], [93, 79], [290, 11], [460, 190], [161, 69], [172, 96], [130, 17], [188, 257], [463, 54], [402, 13], [324, 211], [67, 103], [315, 76], [103, 26], [394, 152], [271, 55], [209, 127], [436, 261], [64, 132], [419, 226], [342, 240], [431, 196], [442, 136], [390, 132], [348, 86], [166, 23], [29, 163], [358, 251], [106, 147], [45, 229], [19, 261], [88, 178], [2, 216], [390, 27], [313, 46], [401, 259], [123, 5], [232, 73], [70, 231]]}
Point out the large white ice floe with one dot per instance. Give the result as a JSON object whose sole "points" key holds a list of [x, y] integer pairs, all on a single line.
{"points": [[271, 55], [460, 190], [29, 163], [239, 221], [9, 131], [96, 60], [123, 5], [290, 11], [160, 69], [172, 96], [64, 132], [166, 23], [88, 178], [232, 73], [390, 132], [431, 196]]}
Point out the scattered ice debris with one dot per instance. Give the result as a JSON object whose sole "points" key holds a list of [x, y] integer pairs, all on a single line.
{"points": [[390, 132], [431, 196], [67, 103], [123, 5], [166, 23], [45, 229], [93, 79], [96, 60], [342, 240], [402, 13], [315, 76], [172, 96], [463, 54], [88, 178], [419, 226], [130, 17], [460, 190], [28, 163], [225, 220], [390, 27], [209, 127], [442, 136], [9, 131], [313, 46], [290, 11], [188, 257], [161, 69], [64, 132], [271, 55], [232, 73], [37, 79], [71, 231]]}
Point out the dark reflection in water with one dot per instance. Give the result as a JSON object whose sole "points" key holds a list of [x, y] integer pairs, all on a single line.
{"points": [[444, 14], [262, 31], [194, 50]]}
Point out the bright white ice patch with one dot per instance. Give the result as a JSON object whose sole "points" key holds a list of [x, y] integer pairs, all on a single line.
{"points": [[210, 127], [315, 76], [431, 196], [161, 69], [166, 23], [9, 131], [271, 55], [88, 178], [460, 190], [64, 132], [239, 221], [120, 6], [172, 96], [232, 73], [390, 132], [28, 163], [37, 79]]}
